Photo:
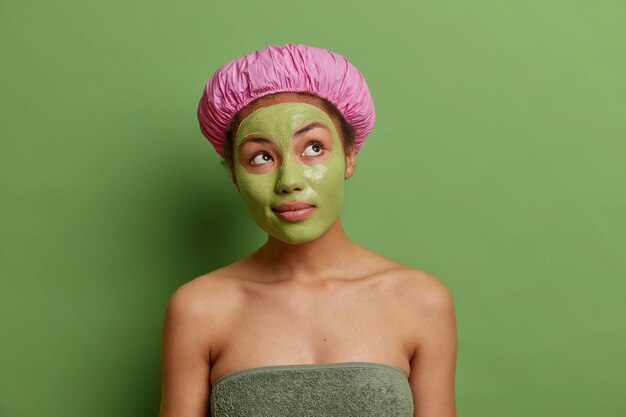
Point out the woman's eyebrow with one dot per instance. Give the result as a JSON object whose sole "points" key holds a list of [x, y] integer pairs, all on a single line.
{"points": [[255, 139], [309, 127]]}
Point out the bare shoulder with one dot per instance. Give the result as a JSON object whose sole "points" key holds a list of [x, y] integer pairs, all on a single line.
{"points": [[196, 314], [419, 288], [204, 303], [417, 293], [411, 287], [404, 281], [202, 292], [424, 291], [431, 324]]}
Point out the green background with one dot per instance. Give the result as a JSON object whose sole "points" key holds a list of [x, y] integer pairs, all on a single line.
{"points": [[497, 164]]}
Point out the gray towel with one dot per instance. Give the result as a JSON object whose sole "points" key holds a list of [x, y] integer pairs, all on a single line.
{"points": [[345, 389]]}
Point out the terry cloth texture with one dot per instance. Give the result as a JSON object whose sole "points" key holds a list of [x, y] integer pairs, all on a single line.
{"points": [[287, 68], [347, 389]]}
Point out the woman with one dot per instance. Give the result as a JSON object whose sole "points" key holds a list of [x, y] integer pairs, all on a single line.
{"points": [[310, 323]]}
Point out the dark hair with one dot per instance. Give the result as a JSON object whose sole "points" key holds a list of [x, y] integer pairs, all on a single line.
{"points": [[347, 131]]}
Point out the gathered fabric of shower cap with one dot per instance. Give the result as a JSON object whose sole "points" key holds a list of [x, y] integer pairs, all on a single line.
{"points": [[287, 68]]}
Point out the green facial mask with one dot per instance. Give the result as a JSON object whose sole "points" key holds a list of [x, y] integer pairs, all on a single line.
{"points": [[321, 184]]}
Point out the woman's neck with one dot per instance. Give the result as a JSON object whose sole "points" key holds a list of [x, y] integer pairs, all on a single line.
{"points": [[325, 256]]}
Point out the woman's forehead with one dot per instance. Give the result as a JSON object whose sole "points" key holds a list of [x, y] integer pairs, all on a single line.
{"points": [[287, 97], [285, 119]]}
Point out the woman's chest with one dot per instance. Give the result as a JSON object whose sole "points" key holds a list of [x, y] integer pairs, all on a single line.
{"points": [[326, 328]]}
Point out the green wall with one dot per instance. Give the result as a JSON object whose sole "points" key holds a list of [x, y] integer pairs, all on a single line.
{"points": [[497, 164]]}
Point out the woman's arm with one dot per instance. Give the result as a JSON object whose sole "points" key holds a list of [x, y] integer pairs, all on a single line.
{"points": [[434, 361], [185, 358]]}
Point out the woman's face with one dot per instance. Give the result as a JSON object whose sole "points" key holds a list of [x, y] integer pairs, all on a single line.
{"points": [[290, 169]]}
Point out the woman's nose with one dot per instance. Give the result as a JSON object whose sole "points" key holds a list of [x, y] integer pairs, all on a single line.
{"points": [[290, 177]]}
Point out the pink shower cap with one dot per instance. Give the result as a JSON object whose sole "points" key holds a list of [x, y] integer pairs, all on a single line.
{"points": [[288, 68]]}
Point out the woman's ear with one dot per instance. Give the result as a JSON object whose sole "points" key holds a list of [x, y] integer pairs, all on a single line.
{"points": [[350, 163]]}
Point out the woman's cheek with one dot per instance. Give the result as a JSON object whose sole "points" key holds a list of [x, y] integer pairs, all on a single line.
{"points": [[315, 174], [331, 176], [257, 191]]}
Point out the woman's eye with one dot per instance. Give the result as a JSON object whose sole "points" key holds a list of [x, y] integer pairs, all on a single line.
{"points": [[261, 158], [312, 149]]}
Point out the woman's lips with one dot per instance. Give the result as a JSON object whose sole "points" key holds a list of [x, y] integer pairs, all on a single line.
{"points": [[294, 211]]}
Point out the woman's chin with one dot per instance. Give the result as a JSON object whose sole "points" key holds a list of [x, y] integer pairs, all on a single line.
{"points": [[296, 234]]}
